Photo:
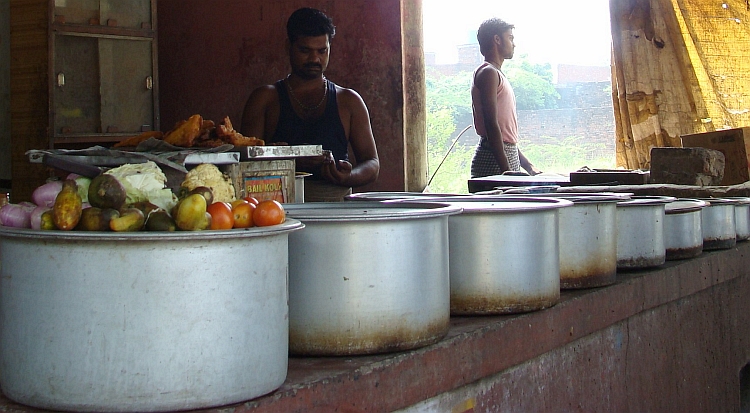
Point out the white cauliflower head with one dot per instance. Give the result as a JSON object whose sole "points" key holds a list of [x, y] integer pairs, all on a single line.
{"points": [[210, 176], [144, 182]]}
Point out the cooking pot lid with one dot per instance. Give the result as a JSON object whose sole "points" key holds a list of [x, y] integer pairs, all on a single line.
{"points": [[644, 200], [368, 211], [586, 197], [684, 205], [500, 203]]}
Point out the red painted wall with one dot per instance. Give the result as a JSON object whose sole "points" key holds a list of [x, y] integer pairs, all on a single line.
{"points": [[213, 53]]}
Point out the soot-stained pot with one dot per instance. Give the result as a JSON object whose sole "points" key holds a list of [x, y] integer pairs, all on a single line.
{"points": [[143, 321], [683, 236], [504, 254], [718, 224], [588, 239], [741, 217], [368, 277], [640, 232]]}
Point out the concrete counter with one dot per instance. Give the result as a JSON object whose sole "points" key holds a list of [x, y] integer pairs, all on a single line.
{"points": [[675, 338]]}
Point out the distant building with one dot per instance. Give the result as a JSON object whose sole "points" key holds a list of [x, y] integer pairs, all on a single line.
{"points": [[582, 74]]}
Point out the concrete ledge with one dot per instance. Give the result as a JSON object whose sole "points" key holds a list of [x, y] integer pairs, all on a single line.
{"points": [[487, 355]]}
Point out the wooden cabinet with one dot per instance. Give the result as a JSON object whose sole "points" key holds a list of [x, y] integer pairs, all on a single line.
{"points": [[103, 77], [83, 73]]}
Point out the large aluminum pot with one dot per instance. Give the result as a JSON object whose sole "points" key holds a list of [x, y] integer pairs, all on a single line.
{"points": [[683, 236], [741, 217], [368, 277], [588, 239], [504, 254], [640, 232], [104, 322], [718, 224]]}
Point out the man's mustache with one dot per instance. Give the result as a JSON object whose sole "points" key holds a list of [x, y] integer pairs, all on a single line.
{"points": [[312, 66]]}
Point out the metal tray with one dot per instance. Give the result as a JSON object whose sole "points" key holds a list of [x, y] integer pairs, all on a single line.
{"points": [[248, 153]]}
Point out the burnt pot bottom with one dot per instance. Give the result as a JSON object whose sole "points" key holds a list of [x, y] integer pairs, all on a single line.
{"points": [[640, 262], [683, 253], [719, 244], [494, 306], [589, 281], [364, 342]]}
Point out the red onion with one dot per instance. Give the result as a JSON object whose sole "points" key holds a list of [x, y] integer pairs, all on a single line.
{"points": [[16, 216], [36, 216], [46, 194]]}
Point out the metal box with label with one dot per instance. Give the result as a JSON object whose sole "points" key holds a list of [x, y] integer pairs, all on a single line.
{"points": [[271, 179]]}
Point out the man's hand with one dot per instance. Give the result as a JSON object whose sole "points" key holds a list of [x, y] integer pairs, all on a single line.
{"points": [[337, 172]]}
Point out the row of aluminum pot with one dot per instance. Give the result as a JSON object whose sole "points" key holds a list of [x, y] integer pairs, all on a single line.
{"points": [[153, 322]]}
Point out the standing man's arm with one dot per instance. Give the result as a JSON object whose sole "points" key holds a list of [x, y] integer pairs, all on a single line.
{"points": [[356, 120], [486, 81], [527, 165]]}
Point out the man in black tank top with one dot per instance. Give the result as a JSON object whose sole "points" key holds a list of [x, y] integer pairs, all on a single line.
{"points": [[306, 108]]}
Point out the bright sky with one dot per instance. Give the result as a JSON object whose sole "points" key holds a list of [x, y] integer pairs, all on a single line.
{"points": [[548, 31]]}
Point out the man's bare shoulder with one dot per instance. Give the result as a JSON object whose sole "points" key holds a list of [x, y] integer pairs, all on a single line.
{"points": [[265, 93], [348, 97]]}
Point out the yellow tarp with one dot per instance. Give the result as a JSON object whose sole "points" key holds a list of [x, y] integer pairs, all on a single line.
{"points": [[679, 67]]}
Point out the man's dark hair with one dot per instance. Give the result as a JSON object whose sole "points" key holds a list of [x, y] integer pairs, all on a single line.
{"points": [[308, 22], [487, 31]]}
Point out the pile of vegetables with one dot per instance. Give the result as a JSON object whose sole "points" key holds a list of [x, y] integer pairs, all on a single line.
{"points": [[134, 197]]}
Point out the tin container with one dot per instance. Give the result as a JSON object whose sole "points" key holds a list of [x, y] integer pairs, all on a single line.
{"points": [[683, 236], [741, 217], [588, 239], [504, 254], [368, 277], [718, 224], [126, 322], [640, 232]]}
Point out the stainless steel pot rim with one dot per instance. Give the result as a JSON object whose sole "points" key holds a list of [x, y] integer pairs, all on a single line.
{"points": [[500, 203], [739, 200], [684, 205], [536, 189], [289, 225], [369, 211], [644, 200], [722, 201], [382, 196], [586, 197]]}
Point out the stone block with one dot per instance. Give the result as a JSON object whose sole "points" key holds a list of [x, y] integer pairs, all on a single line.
{"points": [[687, 166]]}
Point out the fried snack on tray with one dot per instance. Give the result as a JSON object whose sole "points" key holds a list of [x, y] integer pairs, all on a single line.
{"points": [[197, 132], [225, 131], [185, 133], [133, 141]]}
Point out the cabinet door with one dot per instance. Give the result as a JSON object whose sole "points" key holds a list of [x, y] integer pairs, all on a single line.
{"points": [[126, 13], [102, 86], [76, 103], [127, 85]]}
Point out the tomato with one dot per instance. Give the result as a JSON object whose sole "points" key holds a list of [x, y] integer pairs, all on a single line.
{"points": [[251, 199], [269, 212], [221, 215], [243, 214]]}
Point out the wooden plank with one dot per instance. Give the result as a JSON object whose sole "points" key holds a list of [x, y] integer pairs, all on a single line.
{"points": [[29, 46]]}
